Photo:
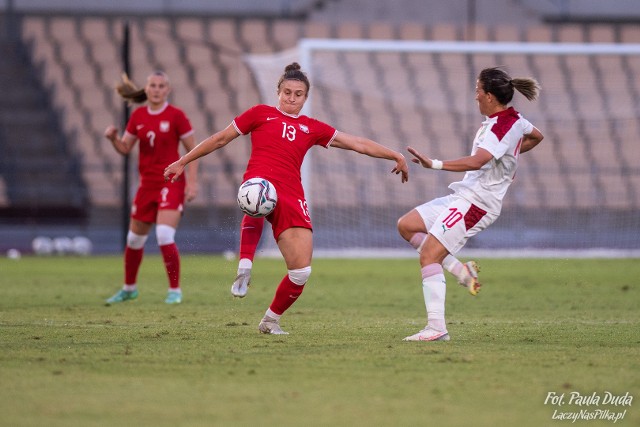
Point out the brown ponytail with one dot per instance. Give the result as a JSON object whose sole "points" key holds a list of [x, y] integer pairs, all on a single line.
{"points": [[128, 91]]}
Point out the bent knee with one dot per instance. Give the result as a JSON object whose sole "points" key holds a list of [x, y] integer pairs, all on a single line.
{"points": [[165, 234], [407, 220], [136, 241], [405, 226], [410, 223], [300, 276]]}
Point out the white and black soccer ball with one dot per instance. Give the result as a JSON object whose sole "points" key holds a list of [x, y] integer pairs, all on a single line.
{"points": [[257, 197]]}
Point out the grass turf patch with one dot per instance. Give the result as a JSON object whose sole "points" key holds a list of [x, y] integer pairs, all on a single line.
{"points": [[538, 326]]}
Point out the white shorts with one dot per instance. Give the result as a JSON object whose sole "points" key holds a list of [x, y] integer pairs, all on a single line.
{"points": [[452, 220]]}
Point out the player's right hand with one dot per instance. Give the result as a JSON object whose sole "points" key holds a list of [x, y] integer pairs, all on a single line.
{"points": [[173, 171], [111, 132], [419, 158]]}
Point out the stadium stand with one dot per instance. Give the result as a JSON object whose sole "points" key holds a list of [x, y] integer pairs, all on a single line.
{"points": [[39, 166], [181, 45], [79, 56]]}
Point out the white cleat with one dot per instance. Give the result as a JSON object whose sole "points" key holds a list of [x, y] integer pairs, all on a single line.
{"points": [[429, 334], [471, 281], [240, 286], [269, 325]]}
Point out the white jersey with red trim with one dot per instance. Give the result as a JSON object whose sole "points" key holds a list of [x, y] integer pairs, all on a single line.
{"points": [[501, 135]]}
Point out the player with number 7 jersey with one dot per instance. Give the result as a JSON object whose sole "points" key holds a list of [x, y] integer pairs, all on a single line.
{"points": [[158, 128], [159, 133], [280, 138]]}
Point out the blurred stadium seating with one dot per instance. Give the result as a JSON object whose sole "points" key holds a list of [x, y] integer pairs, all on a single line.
{"points": [[34, 150], [78, 61]]}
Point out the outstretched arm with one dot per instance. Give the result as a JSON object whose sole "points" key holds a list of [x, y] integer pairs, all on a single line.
{"points": [[463, 164], [372, 149], [209, 145]]}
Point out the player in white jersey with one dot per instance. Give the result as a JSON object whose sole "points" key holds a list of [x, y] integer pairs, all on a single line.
{"points": [[441, 227]]}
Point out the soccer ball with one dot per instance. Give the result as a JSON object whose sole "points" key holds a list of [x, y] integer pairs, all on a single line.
{"points": [[63, 245], [14, 254], [82, 245], [42, 245], [257, 197]]}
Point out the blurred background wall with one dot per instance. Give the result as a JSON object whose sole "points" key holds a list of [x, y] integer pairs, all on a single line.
{"points": [[60, 60]]}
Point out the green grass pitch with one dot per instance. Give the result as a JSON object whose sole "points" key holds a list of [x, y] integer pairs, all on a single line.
{"points": [[539, 326]]}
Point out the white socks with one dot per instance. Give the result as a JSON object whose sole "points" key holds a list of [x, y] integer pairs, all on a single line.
{"points": [[434, 289], [271, 314], [450, 263], [417, 241], [245, 264], [455, 267]]}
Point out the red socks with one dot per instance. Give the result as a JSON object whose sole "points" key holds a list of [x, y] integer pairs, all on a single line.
{"points": [[250, 232], [132, 260], [171, 258], [170, 255], [286, 294]]}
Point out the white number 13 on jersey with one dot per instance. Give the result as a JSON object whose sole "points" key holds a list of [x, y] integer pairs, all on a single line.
{"points": [[304, 207], [288, 131]]}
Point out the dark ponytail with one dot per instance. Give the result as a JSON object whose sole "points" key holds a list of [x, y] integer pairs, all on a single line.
{"points": [[497, 82]]}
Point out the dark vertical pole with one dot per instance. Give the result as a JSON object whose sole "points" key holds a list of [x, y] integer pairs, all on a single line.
{"points": [[126, 66], [10, 19]]}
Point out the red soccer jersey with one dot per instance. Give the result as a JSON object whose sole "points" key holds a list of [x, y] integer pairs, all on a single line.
{"points": [[159, 133], [279, 143]]}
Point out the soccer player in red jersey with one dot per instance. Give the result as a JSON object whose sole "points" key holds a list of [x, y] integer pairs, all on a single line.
{"points": [[160, 128], [280, 138]]}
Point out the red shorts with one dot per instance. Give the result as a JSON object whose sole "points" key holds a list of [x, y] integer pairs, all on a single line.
{"points": [[153, 198], [290, 211]]}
